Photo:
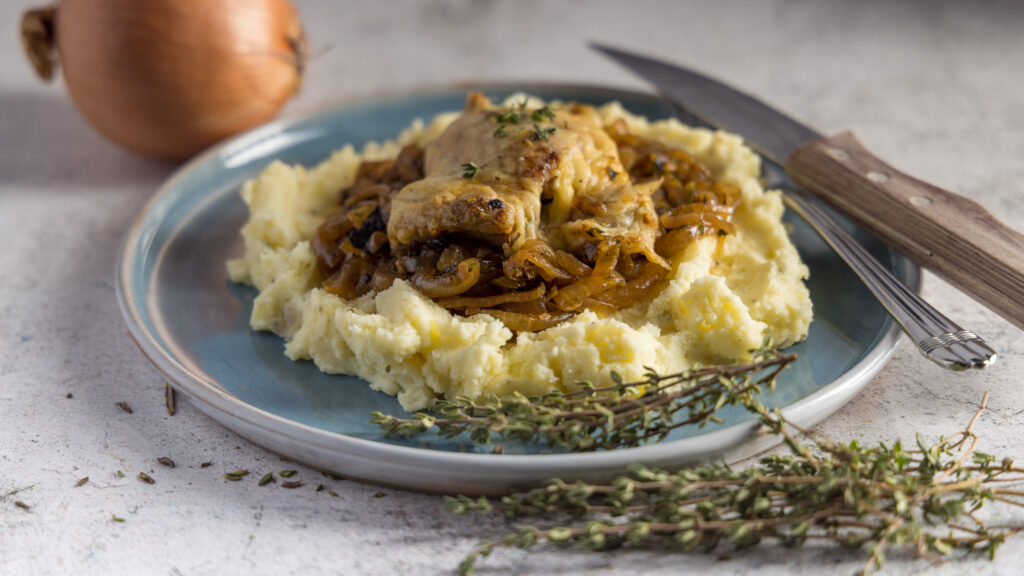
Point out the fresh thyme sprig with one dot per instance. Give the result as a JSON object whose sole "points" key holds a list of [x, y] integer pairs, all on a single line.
{"points": [[881, 496], [517, 113], [599, 418]]}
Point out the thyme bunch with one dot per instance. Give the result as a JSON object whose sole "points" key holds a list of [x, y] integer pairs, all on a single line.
{"points": [[877, 497], [624, 414]]}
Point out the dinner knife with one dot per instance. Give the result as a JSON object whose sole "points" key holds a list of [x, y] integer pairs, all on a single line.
{"points": [[948, 234]]}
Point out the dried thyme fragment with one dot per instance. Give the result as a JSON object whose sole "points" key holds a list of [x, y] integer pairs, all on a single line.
{"points": [[293, 484], [286, 473], [82, 482], [266, 479], [146, 478], [165, 461], [124, 406], [22, 505], [169, 399], [235, 476]]}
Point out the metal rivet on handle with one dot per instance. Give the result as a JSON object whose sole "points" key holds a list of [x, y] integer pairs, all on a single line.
{"points": [[837, 153], [920, 200], [879, 177]]}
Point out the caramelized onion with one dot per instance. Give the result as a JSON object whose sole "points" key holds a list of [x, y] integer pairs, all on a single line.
{"points": [[360, 192], [571, 264], [492, 301], [377, 241], [573, 296], [536, 256], [451, 256], [343, 283], [528, 322], [697, 207], [360, 211], [328, 236], [635, 289], [382, 279], [444, 285], [675, 241], [598, 307], [538, 306], [602, 278], [607, 257], [705, 222], [629, 267]]}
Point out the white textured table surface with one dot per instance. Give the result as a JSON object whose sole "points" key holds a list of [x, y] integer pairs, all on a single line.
{"points": [[934, 87]]}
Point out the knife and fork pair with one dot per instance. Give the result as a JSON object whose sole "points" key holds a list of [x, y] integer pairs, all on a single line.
{"points": [[946, 233]]}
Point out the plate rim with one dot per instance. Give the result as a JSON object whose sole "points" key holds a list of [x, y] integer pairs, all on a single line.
{"points": [[727, 441]]}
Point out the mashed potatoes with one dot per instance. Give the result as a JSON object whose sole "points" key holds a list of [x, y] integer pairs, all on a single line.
{"points": [[725, 294]]}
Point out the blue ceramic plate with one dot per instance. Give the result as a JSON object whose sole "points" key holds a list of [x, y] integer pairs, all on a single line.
{"points": [[192, 322]]}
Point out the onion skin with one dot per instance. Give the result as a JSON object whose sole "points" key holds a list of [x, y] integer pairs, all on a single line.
{"points": [[168, 78]]}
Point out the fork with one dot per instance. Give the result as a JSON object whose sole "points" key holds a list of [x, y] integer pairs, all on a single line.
{"points": [[936, 336]]}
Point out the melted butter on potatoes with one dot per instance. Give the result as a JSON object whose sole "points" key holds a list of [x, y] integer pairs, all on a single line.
{"points": [[724, 294]]}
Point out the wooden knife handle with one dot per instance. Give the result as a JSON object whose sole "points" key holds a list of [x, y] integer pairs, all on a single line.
{"points": [[952, 236]]}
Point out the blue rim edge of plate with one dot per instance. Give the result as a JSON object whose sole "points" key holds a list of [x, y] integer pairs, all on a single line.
{"points": [[443, 471]]}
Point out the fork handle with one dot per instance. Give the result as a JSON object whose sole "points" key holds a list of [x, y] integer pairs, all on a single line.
{"points": [[951, 235]]}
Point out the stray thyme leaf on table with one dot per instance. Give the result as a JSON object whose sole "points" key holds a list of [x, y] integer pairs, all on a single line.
{"points": [[235, 476], [876, 497], [623, 414], [169, 400]]}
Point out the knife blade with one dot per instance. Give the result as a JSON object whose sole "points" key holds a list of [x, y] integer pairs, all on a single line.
{"points": [[948, 234], [770, 132]]}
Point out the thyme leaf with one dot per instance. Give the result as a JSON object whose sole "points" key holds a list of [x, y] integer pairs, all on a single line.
{"points": [[542, 114], [542, 133]]}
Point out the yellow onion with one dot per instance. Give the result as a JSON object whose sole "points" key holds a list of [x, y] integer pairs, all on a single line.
{"points": [[167, 78]]}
